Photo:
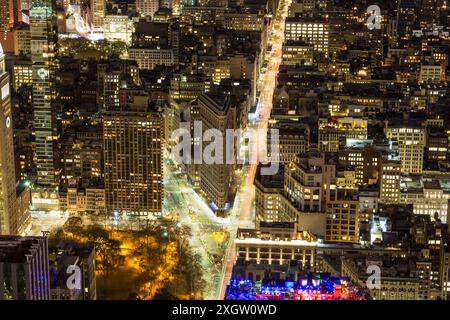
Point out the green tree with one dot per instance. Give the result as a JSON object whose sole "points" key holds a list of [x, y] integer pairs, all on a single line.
{"points": [[164, 294], [74, 227], [189, 272], [55, 237], [151, 256], [107, 249]]}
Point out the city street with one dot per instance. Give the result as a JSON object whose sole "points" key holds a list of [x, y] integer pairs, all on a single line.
{"points": [[208, 232], [211, 237], [243, 210], [46, 221]]}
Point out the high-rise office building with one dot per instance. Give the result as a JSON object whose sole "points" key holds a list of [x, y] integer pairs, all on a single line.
{"points": [[149, 58], [98, 13], [147, 7], [432, 71], [21, 37], [7, 169], [43, 49], [111, 74], [14, 199], [343, 216], [117, 27], [68, 254], [10, 14], [293, 138], [133, 157], [367, 157], [246, 19], [22, 73], [390, 181], [24, 268], [4, 17], [314, 31], [307, 181], [411, 137], [298, 53], [364, 157], [437, 144], [268, 197], [406, 15], [374, 162], [217, 112], [187, 87]]}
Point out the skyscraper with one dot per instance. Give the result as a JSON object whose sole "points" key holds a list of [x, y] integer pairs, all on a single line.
{"points": [[7, 175], [10, 14], [24, 268], [43, 49], [4, 17], [98, 13], [217, 112], [133, 156]]}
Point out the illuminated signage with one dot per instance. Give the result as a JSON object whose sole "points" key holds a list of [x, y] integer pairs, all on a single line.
{"points": [[42, 73]]}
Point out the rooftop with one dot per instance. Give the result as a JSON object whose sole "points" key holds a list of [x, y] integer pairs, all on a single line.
{"points": [[15, 249]]}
